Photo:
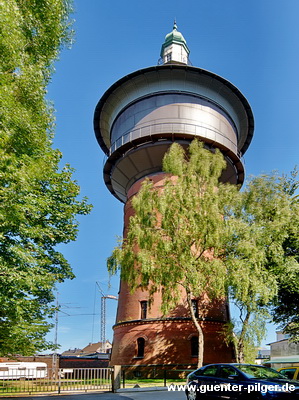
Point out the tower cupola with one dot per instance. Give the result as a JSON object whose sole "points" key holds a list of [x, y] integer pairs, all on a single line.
{"points": [[174, 49]]}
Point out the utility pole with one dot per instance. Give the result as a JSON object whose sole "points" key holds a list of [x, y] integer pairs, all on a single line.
{"points": [[54, 357], [103, 323], [103, 319]]}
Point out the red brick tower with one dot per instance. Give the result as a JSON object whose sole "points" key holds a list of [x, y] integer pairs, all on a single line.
{"points": [[135, 122]]}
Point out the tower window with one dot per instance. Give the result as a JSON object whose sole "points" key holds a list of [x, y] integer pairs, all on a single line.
{"points": [[140, 347], [168, 57], [143, 305], [195, 307], [194, 346]]}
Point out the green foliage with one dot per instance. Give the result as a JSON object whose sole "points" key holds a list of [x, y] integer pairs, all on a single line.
{"points": [[207, 237], [180, 229], [177, 235], [262, 223], [286, 306], [250, 352], [38, 201]]}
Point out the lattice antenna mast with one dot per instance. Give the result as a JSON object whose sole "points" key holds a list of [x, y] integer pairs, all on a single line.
{"points": [[103, 316]]}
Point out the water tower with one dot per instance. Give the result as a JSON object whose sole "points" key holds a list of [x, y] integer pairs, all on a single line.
{"points": [[135, 122]]}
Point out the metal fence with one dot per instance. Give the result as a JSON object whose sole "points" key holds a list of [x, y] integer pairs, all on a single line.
{"points": [[58, 380], [154, 375]]}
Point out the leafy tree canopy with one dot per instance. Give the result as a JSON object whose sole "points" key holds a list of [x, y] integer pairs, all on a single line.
{"points": [[286, 307], [262, 222], [178, 229], [208, 237], [38, 200], [176, 238]]}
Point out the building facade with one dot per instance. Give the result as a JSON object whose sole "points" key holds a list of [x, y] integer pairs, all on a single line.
{"points": [[136, 121], [283, 352]]}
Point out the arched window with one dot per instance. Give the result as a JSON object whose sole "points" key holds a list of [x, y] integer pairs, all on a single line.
{"points": [[194, 346], [143, 307], [140, 347]]}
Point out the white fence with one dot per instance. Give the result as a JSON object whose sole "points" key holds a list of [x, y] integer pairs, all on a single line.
{"points": [[57, 380]]}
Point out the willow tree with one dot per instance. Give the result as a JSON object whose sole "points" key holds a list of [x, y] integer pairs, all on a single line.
{"points": [[38, 200], [203, 236], [177, 236]]}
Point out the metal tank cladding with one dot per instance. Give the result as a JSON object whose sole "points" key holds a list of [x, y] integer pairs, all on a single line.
{"points": [[142, 114]]}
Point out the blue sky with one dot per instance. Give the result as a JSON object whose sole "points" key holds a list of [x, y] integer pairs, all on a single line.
{"points": [[254, 44]]}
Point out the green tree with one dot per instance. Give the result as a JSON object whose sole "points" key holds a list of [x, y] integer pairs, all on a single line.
{"points": [[286, 306], [38, 200], [261, 223], [177, 236], [209, 238]]}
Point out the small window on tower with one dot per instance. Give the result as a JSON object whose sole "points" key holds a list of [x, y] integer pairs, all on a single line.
{"points": [[143, 305], [168, 57], [194, 346], [140, 347], [195, 307]]}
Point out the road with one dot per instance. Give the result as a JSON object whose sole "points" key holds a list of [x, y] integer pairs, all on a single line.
{"points": [[157, 395]]}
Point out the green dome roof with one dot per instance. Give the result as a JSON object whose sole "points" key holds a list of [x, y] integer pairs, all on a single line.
{"points": [[174, 37]]}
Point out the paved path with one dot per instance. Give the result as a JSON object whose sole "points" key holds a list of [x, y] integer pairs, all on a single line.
{"points": [[152, 395]]}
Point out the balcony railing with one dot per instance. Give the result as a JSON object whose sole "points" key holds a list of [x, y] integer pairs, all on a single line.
{"points": [[154, 130]]}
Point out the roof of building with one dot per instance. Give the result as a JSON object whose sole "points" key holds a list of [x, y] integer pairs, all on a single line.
{"points": [[95, 347], [283, 360], [72, 352], [90, 349], [278, 341]]}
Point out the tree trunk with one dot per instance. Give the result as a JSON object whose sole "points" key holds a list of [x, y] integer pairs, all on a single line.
{"points": [[199, 330], [240, 345]]}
